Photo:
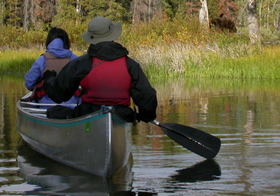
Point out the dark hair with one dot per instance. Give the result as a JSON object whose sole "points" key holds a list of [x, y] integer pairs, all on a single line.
{"points": [[58, 33]]}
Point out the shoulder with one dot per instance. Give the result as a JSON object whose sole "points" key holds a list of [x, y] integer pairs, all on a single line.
{"points": [[132, 64], [80, 64], [40, 62], [42, 57], [131, 61], [80, 59], [73, 56]]}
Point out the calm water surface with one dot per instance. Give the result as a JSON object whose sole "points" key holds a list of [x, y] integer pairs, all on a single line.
{"points": [[243, 114]]}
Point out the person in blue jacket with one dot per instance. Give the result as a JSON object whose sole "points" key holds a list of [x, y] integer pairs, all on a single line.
{"points": [[57, 54]]}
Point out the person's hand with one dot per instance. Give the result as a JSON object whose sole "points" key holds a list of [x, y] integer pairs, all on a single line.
{"points": [[48, 74], [146, 116]]}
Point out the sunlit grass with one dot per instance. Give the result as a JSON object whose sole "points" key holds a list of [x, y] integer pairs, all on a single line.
{"points": [[179, 60], [237, 61], [17, 61], [20, 61], [164, 48]]}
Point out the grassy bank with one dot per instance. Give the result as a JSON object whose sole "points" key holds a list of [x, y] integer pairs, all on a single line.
{"points": [[19, 61], [212, 62], [164, 49], [178, 60]]}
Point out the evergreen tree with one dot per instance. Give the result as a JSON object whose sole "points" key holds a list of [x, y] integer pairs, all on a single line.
{"points": [[12, 12], [213, 8]]}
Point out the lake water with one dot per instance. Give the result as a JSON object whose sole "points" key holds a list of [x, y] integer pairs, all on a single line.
{"points": [[244, 114]]}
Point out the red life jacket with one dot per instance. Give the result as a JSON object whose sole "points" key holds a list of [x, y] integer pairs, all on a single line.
{"points": [[108, 83], [52, 63]]}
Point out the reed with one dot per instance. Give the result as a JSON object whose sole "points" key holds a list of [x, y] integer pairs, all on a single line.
{"points": [[12, 61], [165, 48], [20, 61], [178, 59], [235, 61]]}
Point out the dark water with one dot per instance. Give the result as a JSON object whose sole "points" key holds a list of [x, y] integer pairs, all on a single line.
{"points": [[243, 114]]}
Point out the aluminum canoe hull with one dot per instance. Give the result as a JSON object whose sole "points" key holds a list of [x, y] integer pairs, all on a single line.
{"points": [[99, 143]]}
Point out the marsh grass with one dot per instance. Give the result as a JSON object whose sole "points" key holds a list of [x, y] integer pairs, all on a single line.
{"points": [[20, 61], [164, 48], [179, 60], [235, 61]]}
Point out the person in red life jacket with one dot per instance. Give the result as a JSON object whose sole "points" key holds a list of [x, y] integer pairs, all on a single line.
{"points": [[57, 55], [107, 75]]}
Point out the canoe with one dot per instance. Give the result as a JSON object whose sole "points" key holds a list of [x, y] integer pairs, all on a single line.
{"points": [[99, 143]]}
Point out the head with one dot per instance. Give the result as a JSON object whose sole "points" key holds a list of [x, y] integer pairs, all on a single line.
{"points": [[102, 29], [58, 33]]}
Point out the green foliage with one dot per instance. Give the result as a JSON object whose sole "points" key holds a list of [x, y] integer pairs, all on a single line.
{"points": [[164, 48], [12, 12], [213, 8], [174, 7], [14, 37], [163, 31], [179, 29], [66, 11]]}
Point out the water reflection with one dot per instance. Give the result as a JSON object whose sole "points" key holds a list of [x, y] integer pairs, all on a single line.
{"points": [[244, 114], [53, 178], [204, 171]]}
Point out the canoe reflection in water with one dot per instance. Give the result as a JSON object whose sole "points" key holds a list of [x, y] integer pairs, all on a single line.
{"points": [[206, 170], [53, 178]]}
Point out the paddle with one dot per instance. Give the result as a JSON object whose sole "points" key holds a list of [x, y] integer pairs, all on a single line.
{"points": [[199, 142]]}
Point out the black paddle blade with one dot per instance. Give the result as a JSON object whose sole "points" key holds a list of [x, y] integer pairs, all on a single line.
{"points": [[199, 142]]}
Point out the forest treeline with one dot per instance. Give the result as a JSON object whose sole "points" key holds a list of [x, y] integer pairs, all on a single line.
{"points": [[26, 22], [42, 13], [30, 14]]}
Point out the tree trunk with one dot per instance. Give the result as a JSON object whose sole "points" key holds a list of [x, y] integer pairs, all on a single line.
{"points": [[145, 10], [203, 14], [31, 12], [254, 29], [25, 15], [2, 12]]}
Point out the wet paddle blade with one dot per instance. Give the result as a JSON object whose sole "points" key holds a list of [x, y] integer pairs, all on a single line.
{"points": [[197, 141]]}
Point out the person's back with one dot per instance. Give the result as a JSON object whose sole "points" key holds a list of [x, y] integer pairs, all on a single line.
{"points": [[57, 54], [107, 76]]}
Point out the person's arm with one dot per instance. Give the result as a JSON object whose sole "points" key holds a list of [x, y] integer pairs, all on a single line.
{"points": [[62, 87], [34, 73], [142, 93]]}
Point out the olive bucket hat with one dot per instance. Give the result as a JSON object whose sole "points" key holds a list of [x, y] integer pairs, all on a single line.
{"points": [[102, 29]]}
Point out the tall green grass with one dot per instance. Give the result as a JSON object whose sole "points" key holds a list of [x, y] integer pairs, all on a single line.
{"points": [[20, 61], [235, 61], [164, 48], [264, 65], [17, 61]]}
